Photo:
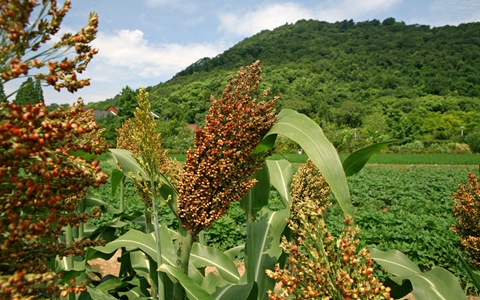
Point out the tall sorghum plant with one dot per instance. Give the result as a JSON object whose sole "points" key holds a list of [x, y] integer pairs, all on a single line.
{"points": [[218, 171], [140, 136]]}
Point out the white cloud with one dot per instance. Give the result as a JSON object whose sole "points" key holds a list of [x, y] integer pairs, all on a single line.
{"points": [[274, 15], [128, 58], [129, 52], [453, 12], [353, 9], [266, 17], [176, 4]]}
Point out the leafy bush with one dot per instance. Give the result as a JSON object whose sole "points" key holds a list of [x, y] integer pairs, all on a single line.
{"points": [[473, 141], [414, 147]]}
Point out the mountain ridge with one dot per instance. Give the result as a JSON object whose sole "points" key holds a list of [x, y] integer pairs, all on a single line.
{"points": [[340, 72]]}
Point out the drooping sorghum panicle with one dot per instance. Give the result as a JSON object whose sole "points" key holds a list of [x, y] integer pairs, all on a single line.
{"points": [[218, 171], [26, 26], [467, 214], [38, 175], [318, 267]]}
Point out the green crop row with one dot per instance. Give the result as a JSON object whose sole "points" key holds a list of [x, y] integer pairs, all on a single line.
{"points": [[429, 159], [408, 209], [390, 158]]}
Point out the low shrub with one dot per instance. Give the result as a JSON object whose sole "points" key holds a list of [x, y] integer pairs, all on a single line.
{"points": [[473, 141]]}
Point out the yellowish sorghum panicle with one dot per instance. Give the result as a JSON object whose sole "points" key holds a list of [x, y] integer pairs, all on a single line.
{"points": [[320, 266], [140, 136], [124, 139], [310, 193], [467, 215], [145, 136], [218, 171]]}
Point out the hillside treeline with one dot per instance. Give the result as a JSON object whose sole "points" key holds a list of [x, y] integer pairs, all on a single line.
{"points": [[369, 81]]}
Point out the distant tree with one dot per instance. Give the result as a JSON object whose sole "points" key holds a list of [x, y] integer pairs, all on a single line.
{"points": [[375, 126], [388, 22], [110, 134], [30, 92], [37, 86], [473, 140], [55, 106], [402, 127], [403, 72], [127, 102], [350, 113], [3, 96]]}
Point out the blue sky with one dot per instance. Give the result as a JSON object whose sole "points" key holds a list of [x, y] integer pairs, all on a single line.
{"points": [[145, 42]]}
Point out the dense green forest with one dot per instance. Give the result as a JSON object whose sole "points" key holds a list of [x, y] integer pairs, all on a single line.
{"points": [[363, 82]]}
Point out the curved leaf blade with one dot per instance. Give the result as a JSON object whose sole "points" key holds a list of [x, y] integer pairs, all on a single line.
{"points": [[116, 178], [111, 284], [281, 175], [203, 256], [305, 132], [257, 197], [98, 295], [263, 248], [469, 269], [193, 290], [358, 159], [135, 239], [224, 290], [435, 284], [124, 160], [233, 291], [232, 253]]}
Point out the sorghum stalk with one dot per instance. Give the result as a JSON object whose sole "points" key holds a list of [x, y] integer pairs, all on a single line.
{"points": [[68, 240], [122, 195], [160, 275], [147, 142]]}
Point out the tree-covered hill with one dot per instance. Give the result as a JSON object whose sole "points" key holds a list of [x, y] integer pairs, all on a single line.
{"points": [[387, 78]]}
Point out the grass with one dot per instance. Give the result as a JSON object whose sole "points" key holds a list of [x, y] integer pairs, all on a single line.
{"points": [[388, 158], [401, 159], [428, 159]]}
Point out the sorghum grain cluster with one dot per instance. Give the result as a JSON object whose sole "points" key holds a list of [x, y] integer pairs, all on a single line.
{"points": [[319, 266], [218, 171], [39, 175]]}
